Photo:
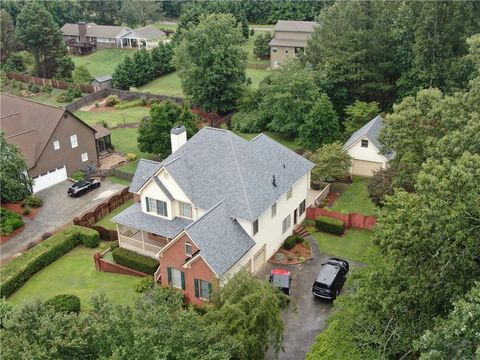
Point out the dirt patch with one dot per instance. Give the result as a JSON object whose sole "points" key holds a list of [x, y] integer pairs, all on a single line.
{"points": [[17, 208], [300, 253]]}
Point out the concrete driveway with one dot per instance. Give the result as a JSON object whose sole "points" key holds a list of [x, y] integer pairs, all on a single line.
{"points": [[58, 210], [307, 315]]}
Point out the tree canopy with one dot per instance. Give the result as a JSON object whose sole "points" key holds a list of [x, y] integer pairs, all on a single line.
{"points": [[331, 162]]}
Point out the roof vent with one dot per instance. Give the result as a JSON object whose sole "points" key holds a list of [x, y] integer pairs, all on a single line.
{"points": [[274, 183], [284, 166]]}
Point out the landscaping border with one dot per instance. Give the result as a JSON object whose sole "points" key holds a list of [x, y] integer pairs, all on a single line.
{"points": [[58, 84], [355, 220], [107, 266]]}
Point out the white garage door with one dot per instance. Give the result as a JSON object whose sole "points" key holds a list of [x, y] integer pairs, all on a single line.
{"points": [[259, 259], [365, 168], [49, 178]]}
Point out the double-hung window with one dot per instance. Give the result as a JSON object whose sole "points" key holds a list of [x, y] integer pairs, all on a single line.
{"points": [[203, 289], [56, 145], [302, 207], [176, 278], [286, 224], [185, 210], [156, 206], [74, 141], [365, 143]]}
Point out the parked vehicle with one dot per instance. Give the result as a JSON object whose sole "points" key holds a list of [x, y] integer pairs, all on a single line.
{"points": [[330, 279], [82, 187], [281, 279]]}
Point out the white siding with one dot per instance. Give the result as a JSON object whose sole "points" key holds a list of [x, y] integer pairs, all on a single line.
{"points": [[370, 153], [152, 191]]}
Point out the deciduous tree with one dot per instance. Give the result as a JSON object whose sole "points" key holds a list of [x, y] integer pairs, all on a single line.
{"points": [[81, 75], [261, 47], [8, 41], [331, 162], [358, 114]]}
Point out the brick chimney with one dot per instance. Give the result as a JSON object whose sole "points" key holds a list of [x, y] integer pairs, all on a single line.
{"points": [[82, 31]]}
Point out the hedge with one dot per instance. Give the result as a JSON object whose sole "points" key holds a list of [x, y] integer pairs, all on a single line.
{"points": [[290, 241], [135, 261], [330, 225], [65, 303], [19, 270]]}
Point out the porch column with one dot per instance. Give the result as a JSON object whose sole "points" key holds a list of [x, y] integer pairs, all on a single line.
{"points": [[143, 241], [121, 43], [130, 43], [118, 234]]}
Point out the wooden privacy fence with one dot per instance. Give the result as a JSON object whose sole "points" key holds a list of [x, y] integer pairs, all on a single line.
{"points": [[100, 211], [355, 220], [87, 100], [58, 84]]}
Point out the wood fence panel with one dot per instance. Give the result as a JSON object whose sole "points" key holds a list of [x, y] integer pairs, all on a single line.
{"points": [[58, 84], [355, 220]]}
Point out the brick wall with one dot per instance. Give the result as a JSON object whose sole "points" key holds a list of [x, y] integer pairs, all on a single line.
{"points": [[107, 266]]}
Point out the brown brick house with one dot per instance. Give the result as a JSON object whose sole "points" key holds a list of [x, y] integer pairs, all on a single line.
{"points": [[53, 141]]}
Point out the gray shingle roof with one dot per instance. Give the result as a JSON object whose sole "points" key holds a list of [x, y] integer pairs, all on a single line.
{"points": [[297, 26], [216, 165], [145, 170], [288, 42], [147, 32], [94, 30], [134, 217], [222, 241], [103, 78], [371, 130]]}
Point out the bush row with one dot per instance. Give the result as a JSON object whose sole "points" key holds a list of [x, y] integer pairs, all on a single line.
{"points": [[17, 271], [135, 261], [330, 225]]}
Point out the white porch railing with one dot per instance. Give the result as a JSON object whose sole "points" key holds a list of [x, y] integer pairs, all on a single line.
{"points": [[156, 276], [320, 197], [137, 240]]}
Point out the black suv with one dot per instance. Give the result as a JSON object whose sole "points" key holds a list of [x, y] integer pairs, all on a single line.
{"points": [[82, 187], [330, 279]]}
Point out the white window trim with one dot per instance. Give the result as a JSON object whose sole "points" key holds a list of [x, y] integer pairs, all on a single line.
{"points": [[74, 141], [191, 248], [179, 272], [200, 291], [84, 158], [182, 214], [361, 143], [286, 223], [56, 145]]}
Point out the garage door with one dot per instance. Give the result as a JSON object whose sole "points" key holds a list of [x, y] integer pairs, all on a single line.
{"points": [[49, 178], [365, 168], [259, 259]]}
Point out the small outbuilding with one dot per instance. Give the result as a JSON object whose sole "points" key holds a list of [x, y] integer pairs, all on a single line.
{"points": [[102, 82]]}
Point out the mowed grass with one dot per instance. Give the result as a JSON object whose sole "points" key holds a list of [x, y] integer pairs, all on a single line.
{"points": [[107, 223], [252, 59], [165, 85], [355, 199], [74, 273], [117, 180], [114, 117], [102, 62], [354, 245], [125, 140], [40, 97], [292, 144]]}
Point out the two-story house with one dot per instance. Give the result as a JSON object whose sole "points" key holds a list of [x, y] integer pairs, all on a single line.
{"points": [[290, 39], [219, 203]]}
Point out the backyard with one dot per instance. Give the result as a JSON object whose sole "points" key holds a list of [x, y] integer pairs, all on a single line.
{"points": [[355, 199], [102, 62], [106, 221], [74, 273], [113, 117], [41, 97], [353, 245], [125, 140]]}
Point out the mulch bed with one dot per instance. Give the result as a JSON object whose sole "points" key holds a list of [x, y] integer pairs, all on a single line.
{"points": [[4, 239], [293, 255], [17, 208]]}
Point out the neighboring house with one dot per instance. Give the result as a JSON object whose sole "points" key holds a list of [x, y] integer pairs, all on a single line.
{"points": [[290, 39], [53, 141], [103, 139], [83, 38], [102, 82], [218, 204], [364, 148]]}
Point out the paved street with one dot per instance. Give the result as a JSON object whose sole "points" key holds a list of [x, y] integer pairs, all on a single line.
{"points": [[58, 210]]}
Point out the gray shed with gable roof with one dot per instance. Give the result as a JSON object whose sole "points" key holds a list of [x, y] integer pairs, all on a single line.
{"points": [[102, 82]]}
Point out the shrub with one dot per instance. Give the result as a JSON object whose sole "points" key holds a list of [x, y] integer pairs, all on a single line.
{"points": [[380, 185], [79, 174], [135, 261], [20, 269], [130, 104], [46, 235], [74, 92], [9, 221], [114, 245], [62, 98], [131, 157], [33, 201], [252, 31], [330, 225], [27, 210], [47, 89], [89, 239], [145, 284], [34, 88], [97, 104], [289, 242], [103, 123], [65, 303], [112, 100]]}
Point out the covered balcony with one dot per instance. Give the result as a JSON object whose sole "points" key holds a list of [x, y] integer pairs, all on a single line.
{"points": [[140, 241]]}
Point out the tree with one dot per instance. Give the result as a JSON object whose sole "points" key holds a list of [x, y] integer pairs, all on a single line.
{"points": [[81, 75], [143, 70], [331, 162], [135, 13], [122, 77], [381, 185], [211, 63], [154, 131], [8, 42], [162, 59], [39, 34], [261, 45], [321, 125], [103, 12], [358, 114], [14, 183], [65, 67]]}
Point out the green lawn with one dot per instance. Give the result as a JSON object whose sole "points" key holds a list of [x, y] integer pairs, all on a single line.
{"points": [[106, 221], [117, 180], [166, 27], [114, 117], [249, 47], [43, 98], [125, 140], [74, 273], [355, 199], [257, 75], [292, 144], [354, 245], [166, 85], [102, 62]]}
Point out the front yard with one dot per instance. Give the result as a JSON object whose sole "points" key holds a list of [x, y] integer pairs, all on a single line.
{"points": [[355, 199], [354, 245], [74, 273]]}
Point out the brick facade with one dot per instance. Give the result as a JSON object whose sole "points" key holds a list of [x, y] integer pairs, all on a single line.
{"points": [[175, 257]]}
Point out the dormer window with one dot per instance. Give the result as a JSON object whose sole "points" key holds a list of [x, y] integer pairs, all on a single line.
{"points": [[185, 210], [156, 206], [188, 249], [365, 143]]}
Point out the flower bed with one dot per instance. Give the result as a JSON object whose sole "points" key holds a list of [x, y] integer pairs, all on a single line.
{"points": [[300, 253]]}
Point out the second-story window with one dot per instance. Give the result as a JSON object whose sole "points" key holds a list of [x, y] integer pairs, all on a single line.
{"points": [[185, 210], [289, 193], [188, 249], [255, 227], [56, 145], [156, 206], [74, 141], [365, 143]]}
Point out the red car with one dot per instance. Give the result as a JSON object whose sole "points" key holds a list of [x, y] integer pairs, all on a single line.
{"points": [[281, 279]]}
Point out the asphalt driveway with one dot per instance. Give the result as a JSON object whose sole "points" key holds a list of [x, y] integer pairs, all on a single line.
{"points": [[58, 210]]}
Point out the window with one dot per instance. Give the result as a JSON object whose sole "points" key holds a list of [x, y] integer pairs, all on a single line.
{"points": [[274, 210], [74, 141], [84, 157], [289, 194], [274, 50], [286, 224], [188, 249], [56, 145], [365, 143], [156, 206], [185, 210], [203, 289], [176, 278], [302, 207], [286, 51], [255, 227]]}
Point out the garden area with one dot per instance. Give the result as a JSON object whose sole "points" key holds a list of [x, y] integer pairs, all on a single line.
{"points": [[295, 250]]}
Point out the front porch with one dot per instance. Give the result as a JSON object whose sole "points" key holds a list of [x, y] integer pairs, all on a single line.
{"points": [[141, 241]]}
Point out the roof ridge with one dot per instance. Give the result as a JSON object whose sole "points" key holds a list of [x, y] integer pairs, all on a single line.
{"points": [[150, 161], [20, 133], [204, 215], [34, 102], [240, 174]]}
